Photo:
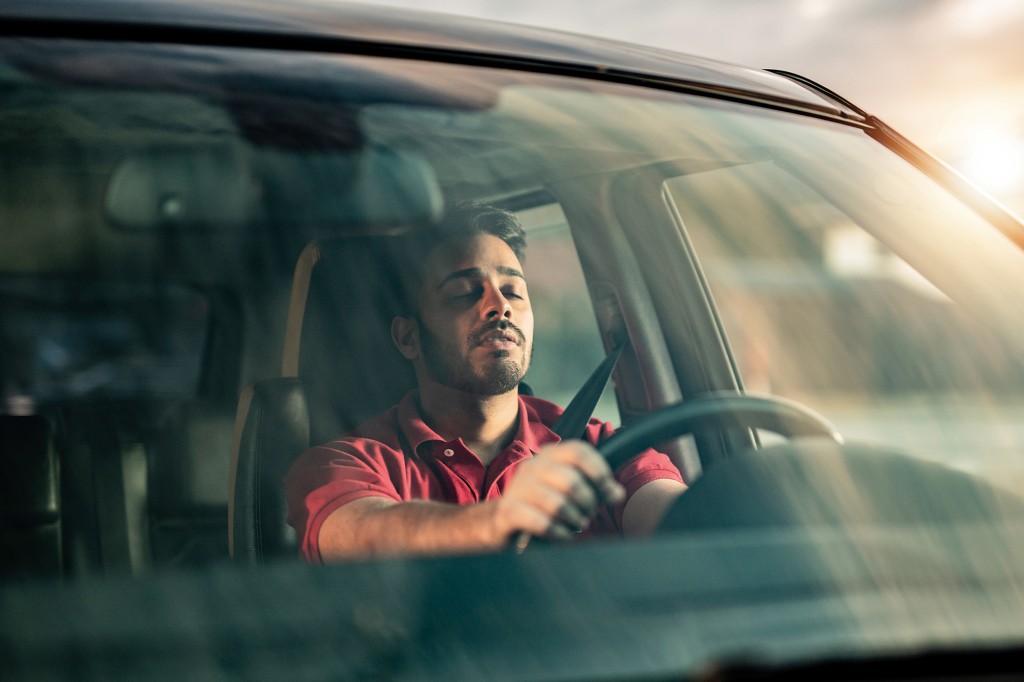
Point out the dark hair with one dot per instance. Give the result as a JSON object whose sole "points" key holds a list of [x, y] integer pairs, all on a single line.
{"points": [[469, 219], [465, 220]]}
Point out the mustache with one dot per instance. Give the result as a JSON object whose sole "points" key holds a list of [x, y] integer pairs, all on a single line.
{"points": [[498, 325]]}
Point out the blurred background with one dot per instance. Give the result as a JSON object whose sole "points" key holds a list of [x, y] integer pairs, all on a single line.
{"points": [[948, 74]]}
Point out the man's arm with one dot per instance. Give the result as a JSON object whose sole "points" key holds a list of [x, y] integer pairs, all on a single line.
{"points": [[647, 506], [552, 495], [377, 525]]}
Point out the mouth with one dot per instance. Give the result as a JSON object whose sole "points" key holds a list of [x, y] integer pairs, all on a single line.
{"points": [[499, 340]]}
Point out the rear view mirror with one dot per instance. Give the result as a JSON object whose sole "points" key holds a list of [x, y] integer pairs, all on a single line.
{"points": [[201, 188], [222, 188]]}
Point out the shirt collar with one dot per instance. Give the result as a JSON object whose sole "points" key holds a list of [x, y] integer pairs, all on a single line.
{"points": [[413, 427], [531, 432]]}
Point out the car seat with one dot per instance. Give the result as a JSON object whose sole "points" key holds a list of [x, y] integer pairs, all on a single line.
{"points": [[340, 368], [30, 505]]}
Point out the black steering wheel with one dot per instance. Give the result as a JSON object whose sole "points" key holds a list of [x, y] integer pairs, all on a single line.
{"points": [[713, 410], [716, 410], [807, 482]]}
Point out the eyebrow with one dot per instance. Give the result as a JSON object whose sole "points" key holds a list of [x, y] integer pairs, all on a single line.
{"points": [[477, 273]]}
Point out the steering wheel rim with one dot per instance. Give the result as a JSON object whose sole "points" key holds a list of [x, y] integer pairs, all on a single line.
{"points": [[713, 410], [716, 410]]}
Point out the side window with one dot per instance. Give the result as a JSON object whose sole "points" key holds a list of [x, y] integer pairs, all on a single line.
{"points": [[567, 344], [818, 310]]}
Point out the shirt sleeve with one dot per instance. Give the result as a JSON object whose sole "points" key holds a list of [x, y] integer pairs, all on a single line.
{"points": [[328, 476], [649, 465]]}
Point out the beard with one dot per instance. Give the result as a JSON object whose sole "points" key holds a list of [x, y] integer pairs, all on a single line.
{"points": [[449, 367]]}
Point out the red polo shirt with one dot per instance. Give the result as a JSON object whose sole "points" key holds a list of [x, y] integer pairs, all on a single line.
{"points": [[397, 456]]}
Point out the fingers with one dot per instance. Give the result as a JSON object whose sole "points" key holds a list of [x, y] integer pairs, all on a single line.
{"points": [[559, 484], [583, 458], [564, 509], [544, 511], [540, 524], [558, 492]]}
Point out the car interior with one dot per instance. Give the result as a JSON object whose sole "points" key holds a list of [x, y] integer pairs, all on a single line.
{"points": [[194, 273], [339, 369], [183, 255]]}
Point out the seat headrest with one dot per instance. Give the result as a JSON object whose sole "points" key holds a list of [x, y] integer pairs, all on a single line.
{"points": [[338, 340]]}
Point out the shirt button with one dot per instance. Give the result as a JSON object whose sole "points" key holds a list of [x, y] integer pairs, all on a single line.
{"points": [[448, 452]]}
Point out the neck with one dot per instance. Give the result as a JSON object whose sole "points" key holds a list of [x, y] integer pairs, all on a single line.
{"points": [[486, 424]]}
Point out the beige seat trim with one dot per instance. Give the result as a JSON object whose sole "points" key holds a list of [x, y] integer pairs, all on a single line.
{"points": [[308, 259]]}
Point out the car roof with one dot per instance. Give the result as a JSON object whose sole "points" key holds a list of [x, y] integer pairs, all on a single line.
{"points": [[325, 25]]}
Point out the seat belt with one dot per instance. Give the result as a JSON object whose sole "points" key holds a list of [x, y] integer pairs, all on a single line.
{"points": [[574, 420]]}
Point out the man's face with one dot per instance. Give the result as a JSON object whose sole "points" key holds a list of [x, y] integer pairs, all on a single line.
{"points": [[476, 323]]}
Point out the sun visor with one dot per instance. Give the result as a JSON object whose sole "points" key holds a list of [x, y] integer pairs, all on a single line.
{"points": [[224, 189]]}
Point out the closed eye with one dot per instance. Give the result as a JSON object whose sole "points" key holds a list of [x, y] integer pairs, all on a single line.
{"points": [[515, 289], [470, 294]]}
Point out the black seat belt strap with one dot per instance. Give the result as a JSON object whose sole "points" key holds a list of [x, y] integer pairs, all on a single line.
{"points": [[574, 420]]}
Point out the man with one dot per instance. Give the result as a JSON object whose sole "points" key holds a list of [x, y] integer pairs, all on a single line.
{"points": [[464, 463]]}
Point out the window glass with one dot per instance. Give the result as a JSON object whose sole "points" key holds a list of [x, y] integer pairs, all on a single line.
{"points": [[155, 200], [819, 310], [73, 340], [567, 345]]}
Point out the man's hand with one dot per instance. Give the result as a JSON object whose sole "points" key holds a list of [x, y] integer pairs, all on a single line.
{"points": [[557, 493]]}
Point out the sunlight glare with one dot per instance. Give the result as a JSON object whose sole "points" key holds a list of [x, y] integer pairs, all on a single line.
{"points": [[995, 161], [979, 17], [815, 9]]}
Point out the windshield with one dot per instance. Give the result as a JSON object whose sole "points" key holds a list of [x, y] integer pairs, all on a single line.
{"points": [[158, 201]]}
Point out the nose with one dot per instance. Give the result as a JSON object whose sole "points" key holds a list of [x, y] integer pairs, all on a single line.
{"points": [[496, 305]]}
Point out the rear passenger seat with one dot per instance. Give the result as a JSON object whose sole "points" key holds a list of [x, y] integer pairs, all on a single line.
{"points": [[30, 504], [188, 470], [119, 473]]}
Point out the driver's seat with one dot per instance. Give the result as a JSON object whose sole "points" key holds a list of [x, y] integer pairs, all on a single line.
{"points": [[340, 368]]}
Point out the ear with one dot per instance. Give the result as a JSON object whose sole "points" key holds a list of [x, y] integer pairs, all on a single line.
{"points": [[405, 334]]}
